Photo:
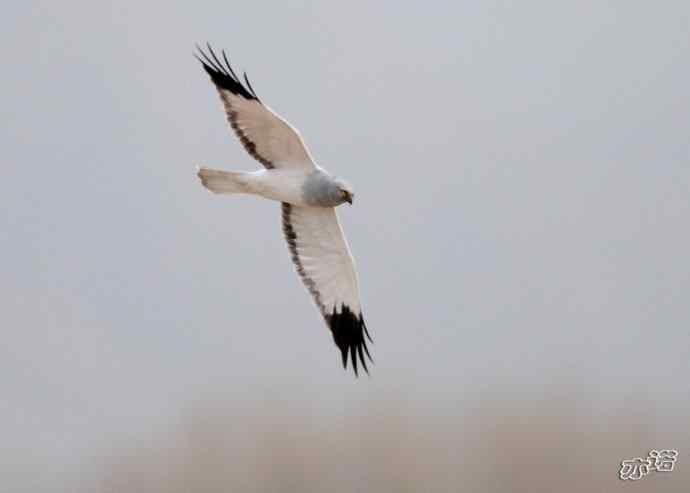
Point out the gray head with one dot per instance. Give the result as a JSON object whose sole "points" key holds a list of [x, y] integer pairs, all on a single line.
{"points": [[345, 191], [322, 190]]}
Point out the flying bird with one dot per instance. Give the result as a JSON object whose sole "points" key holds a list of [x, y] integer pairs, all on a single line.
{"points": [[308, 195]]}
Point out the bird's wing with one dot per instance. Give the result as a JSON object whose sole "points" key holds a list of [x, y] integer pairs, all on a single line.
{"points": [[323, 261], [265, 136]]}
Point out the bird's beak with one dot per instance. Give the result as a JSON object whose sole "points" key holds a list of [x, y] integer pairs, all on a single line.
{"points": [[348, 198]]}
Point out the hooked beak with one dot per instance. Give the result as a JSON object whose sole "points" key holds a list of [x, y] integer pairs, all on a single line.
{"points": [[348, 198]]}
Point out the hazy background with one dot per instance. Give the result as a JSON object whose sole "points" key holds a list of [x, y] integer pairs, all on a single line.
{"points": [[522, 173]]}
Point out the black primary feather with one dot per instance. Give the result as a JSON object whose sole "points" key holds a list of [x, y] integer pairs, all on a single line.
{"points": [[224, 76], [348, 331]]}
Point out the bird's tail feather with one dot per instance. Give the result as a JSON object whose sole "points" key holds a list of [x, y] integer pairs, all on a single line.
{"points": [[226, 182]]}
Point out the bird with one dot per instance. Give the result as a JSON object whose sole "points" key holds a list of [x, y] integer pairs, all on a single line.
{"points": [[308, 195]]}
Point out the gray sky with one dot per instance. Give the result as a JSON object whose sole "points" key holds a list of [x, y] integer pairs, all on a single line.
{"points": [[522, 174]]}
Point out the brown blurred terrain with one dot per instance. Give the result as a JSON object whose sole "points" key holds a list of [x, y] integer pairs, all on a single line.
{"points": [[546, 444]]}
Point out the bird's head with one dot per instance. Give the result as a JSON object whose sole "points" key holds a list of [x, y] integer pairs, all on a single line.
{"points": [[345, 190]]}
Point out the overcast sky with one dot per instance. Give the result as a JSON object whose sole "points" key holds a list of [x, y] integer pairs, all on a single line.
{"points": [[522, 173]]}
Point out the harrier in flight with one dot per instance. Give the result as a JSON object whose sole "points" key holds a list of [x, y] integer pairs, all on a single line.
{"points": [[308, 195]]}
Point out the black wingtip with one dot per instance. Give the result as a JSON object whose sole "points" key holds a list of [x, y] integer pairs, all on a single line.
{"points": [[343, 353], [223, 75], [348, 332]]}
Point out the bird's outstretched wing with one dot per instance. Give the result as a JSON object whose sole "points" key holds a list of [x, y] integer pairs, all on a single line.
{"points": [[265, 136], [323, 261]]}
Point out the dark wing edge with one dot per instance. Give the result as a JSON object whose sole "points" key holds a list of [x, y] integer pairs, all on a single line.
{"points": [[223, 76], [348, 329], [225, 79]]}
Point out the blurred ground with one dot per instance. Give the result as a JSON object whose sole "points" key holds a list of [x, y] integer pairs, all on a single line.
{"points": [[552, 442]]}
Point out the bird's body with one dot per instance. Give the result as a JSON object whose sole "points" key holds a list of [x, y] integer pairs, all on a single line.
{"points": [[308, 188], [308, 195]]}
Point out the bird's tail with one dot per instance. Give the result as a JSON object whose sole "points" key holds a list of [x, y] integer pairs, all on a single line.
{"points": [[223, 181]]}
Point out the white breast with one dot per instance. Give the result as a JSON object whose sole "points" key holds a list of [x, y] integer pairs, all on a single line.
{"points": [[279, 184]]}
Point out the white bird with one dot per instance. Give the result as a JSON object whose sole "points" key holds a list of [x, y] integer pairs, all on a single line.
{"points": [[308, 194]]}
